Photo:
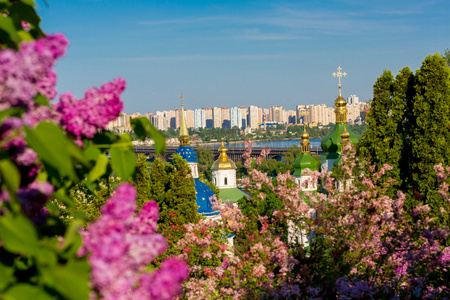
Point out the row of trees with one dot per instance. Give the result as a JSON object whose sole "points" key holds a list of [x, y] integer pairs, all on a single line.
{"points": [[409, 129]]}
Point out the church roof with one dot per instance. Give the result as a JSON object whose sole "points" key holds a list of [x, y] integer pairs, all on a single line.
{"points": [[331, 145], [202, 191], [305, 160], [188, 153], [203, 194], [224, 162]]}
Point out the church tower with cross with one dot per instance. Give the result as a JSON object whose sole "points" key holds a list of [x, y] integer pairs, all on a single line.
{"points": [[331, 145], [202, 191]]}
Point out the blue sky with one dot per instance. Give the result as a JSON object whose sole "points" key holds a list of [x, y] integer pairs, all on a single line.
{"points": [[240, 53]]}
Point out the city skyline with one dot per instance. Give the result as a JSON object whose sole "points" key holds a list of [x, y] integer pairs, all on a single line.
{"points": [[249, 118], [241, 53]]}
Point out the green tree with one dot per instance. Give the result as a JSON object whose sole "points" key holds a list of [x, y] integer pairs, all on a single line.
{"points": [[205, 160], [172, 187], [382, 143], [446, 56], [409, 129], [291, 154], [430, 133], [142, 181]]}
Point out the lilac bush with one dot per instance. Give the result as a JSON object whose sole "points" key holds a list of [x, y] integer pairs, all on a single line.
{"points": [[120, 246], [48, 149]]}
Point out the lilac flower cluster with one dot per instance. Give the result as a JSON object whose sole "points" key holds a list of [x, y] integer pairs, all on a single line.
{"points": [[82, 118], [25, 74], [29, 71], [121, 244]]}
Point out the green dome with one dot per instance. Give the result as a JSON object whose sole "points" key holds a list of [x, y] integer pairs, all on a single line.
{"points": [[305, 160], [331, 145]]}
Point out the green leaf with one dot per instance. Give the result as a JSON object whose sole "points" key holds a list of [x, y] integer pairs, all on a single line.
{"points": [[22, 291], [11, 112], [7, 26], [71, 233], [91, 152], [123, 162], [9, 174], [99, 169], [41, 99], [143, 128], [70, 280], [51, 145], [7, 276], [18, 234], [46, 257]]}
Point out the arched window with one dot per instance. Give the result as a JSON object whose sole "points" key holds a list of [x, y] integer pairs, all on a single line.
{"points": [[226, 181]]}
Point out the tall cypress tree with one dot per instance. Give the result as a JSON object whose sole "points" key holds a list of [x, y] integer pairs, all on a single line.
{"points": [[430, 133], [402, 95], [172, 187], [381, 143]]}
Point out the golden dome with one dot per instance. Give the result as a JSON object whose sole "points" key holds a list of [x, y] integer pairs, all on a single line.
{"points": [[305, 135], [305, 141], [340, 102], [224, 162]]}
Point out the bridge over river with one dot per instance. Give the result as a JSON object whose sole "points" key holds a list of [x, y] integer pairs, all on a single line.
{"points": [[234, 152]]}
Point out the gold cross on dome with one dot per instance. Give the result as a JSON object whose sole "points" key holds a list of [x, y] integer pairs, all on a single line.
{"points": [[181, 98], [339, 74]]}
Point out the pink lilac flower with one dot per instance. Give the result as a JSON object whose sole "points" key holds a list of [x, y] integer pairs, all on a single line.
{"points": [[27, 72], [82, 118], [120, 245]]}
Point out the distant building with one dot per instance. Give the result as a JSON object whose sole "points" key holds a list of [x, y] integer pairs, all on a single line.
{"points": [[253, 122], [236, 117], [217, 117], [200, 118], [352, 100]]}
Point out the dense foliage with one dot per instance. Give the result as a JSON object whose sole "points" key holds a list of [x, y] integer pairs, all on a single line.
{"points": [[48, 150], [172, 187], [409, 130], [361, 245]]}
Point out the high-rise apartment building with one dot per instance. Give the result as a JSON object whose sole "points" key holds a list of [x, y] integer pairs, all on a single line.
{"points": [[253, 120], [217, 117], [189, 116], [226, 120], [353, 99], [209, 118], [236, 117], [244, 114], [200, 118]]}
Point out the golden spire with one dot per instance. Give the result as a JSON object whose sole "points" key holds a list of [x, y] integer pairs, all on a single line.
{"points": [[305, 141], [184, 134], [223, 152], [340, 103], [345, 138]]}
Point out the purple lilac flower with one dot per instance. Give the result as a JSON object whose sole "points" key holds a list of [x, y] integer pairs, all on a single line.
{"points": [[29, 71], [120, 245], [82, 118], [33, 199]]}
